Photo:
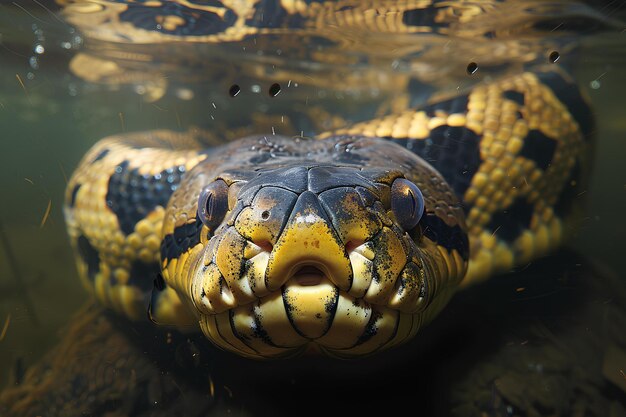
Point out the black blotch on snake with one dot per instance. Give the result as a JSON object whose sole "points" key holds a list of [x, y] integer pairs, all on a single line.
{"points": [[538, 148], [569, 94], [89, 255], [132, 196], [141, 274], [509, 223], [73, 195], [450, 237], [183, 238], [453, 151], [515, 96]]}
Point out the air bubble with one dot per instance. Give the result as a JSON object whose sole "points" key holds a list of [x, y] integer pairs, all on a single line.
{"points": [[274, 90], [472, 67], [554, 56], [234, 90], [184, 94], [595, 84], [77, 41], [255, 88], [39, 49]]}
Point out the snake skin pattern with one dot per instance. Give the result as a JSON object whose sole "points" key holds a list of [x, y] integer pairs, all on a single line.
{"points": [[309, 252], [347, 243]]}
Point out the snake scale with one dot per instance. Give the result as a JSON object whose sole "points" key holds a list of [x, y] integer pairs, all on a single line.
{"points": [[346, 243]]}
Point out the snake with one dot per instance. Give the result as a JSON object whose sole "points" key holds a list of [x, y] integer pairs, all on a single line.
{"points": [[345, 243]]}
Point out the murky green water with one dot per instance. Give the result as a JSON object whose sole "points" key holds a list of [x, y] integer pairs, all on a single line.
{"points": [[49, 117]]}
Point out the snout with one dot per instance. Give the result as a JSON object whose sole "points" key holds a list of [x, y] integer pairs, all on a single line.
{"points": [[309, 239]]}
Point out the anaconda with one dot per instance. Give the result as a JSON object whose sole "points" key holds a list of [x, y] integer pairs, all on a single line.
{"points": [[347, 243]]}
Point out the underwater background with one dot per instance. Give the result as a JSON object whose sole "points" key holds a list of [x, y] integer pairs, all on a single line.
{"points": [[50, 116]]}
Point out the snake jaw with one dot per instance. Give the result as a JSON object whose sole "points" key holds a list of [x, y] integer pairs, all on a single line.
{"points": [[230, 273], [365, 249], [206, 290], [410, 293], [363, 270], [309, 308], [406, 288]]}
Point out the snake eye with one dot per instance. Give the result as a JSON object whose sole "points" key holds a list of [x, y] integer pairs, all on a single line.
{"points": [[407, 203], [213, 203]]}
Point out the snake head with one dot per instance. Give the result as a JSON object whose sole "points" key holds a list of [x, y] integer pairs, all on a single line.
{"points": [[321, 254]]}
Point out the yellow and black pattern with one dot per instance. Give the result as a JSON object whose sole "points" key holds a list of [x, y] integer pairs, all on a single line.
{"points": [[309, 248], [140, 21], [513, 151], [347, 243], [310, 253], [144, 44], [115, 205]]}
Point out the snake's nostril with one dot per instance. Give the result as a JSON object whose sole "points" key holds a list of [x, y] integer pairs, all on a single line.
{"points": [[353, 244], [265, 245]]}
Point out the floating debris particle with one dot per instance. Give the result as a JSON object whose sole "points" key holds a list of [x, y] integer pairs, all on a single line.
{"points": [[46, 214], [121, 115], [5, 327], [19, 79]]}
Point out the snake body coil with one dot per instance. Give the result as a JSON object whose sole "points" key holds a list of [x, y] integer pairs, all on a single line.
{"points": [[347, 243]]}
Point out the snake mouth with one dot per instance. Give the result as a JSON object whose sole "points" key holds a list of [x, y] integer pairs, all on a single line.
{"points": [[310, 308], [308, 276], [345, 300]]}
